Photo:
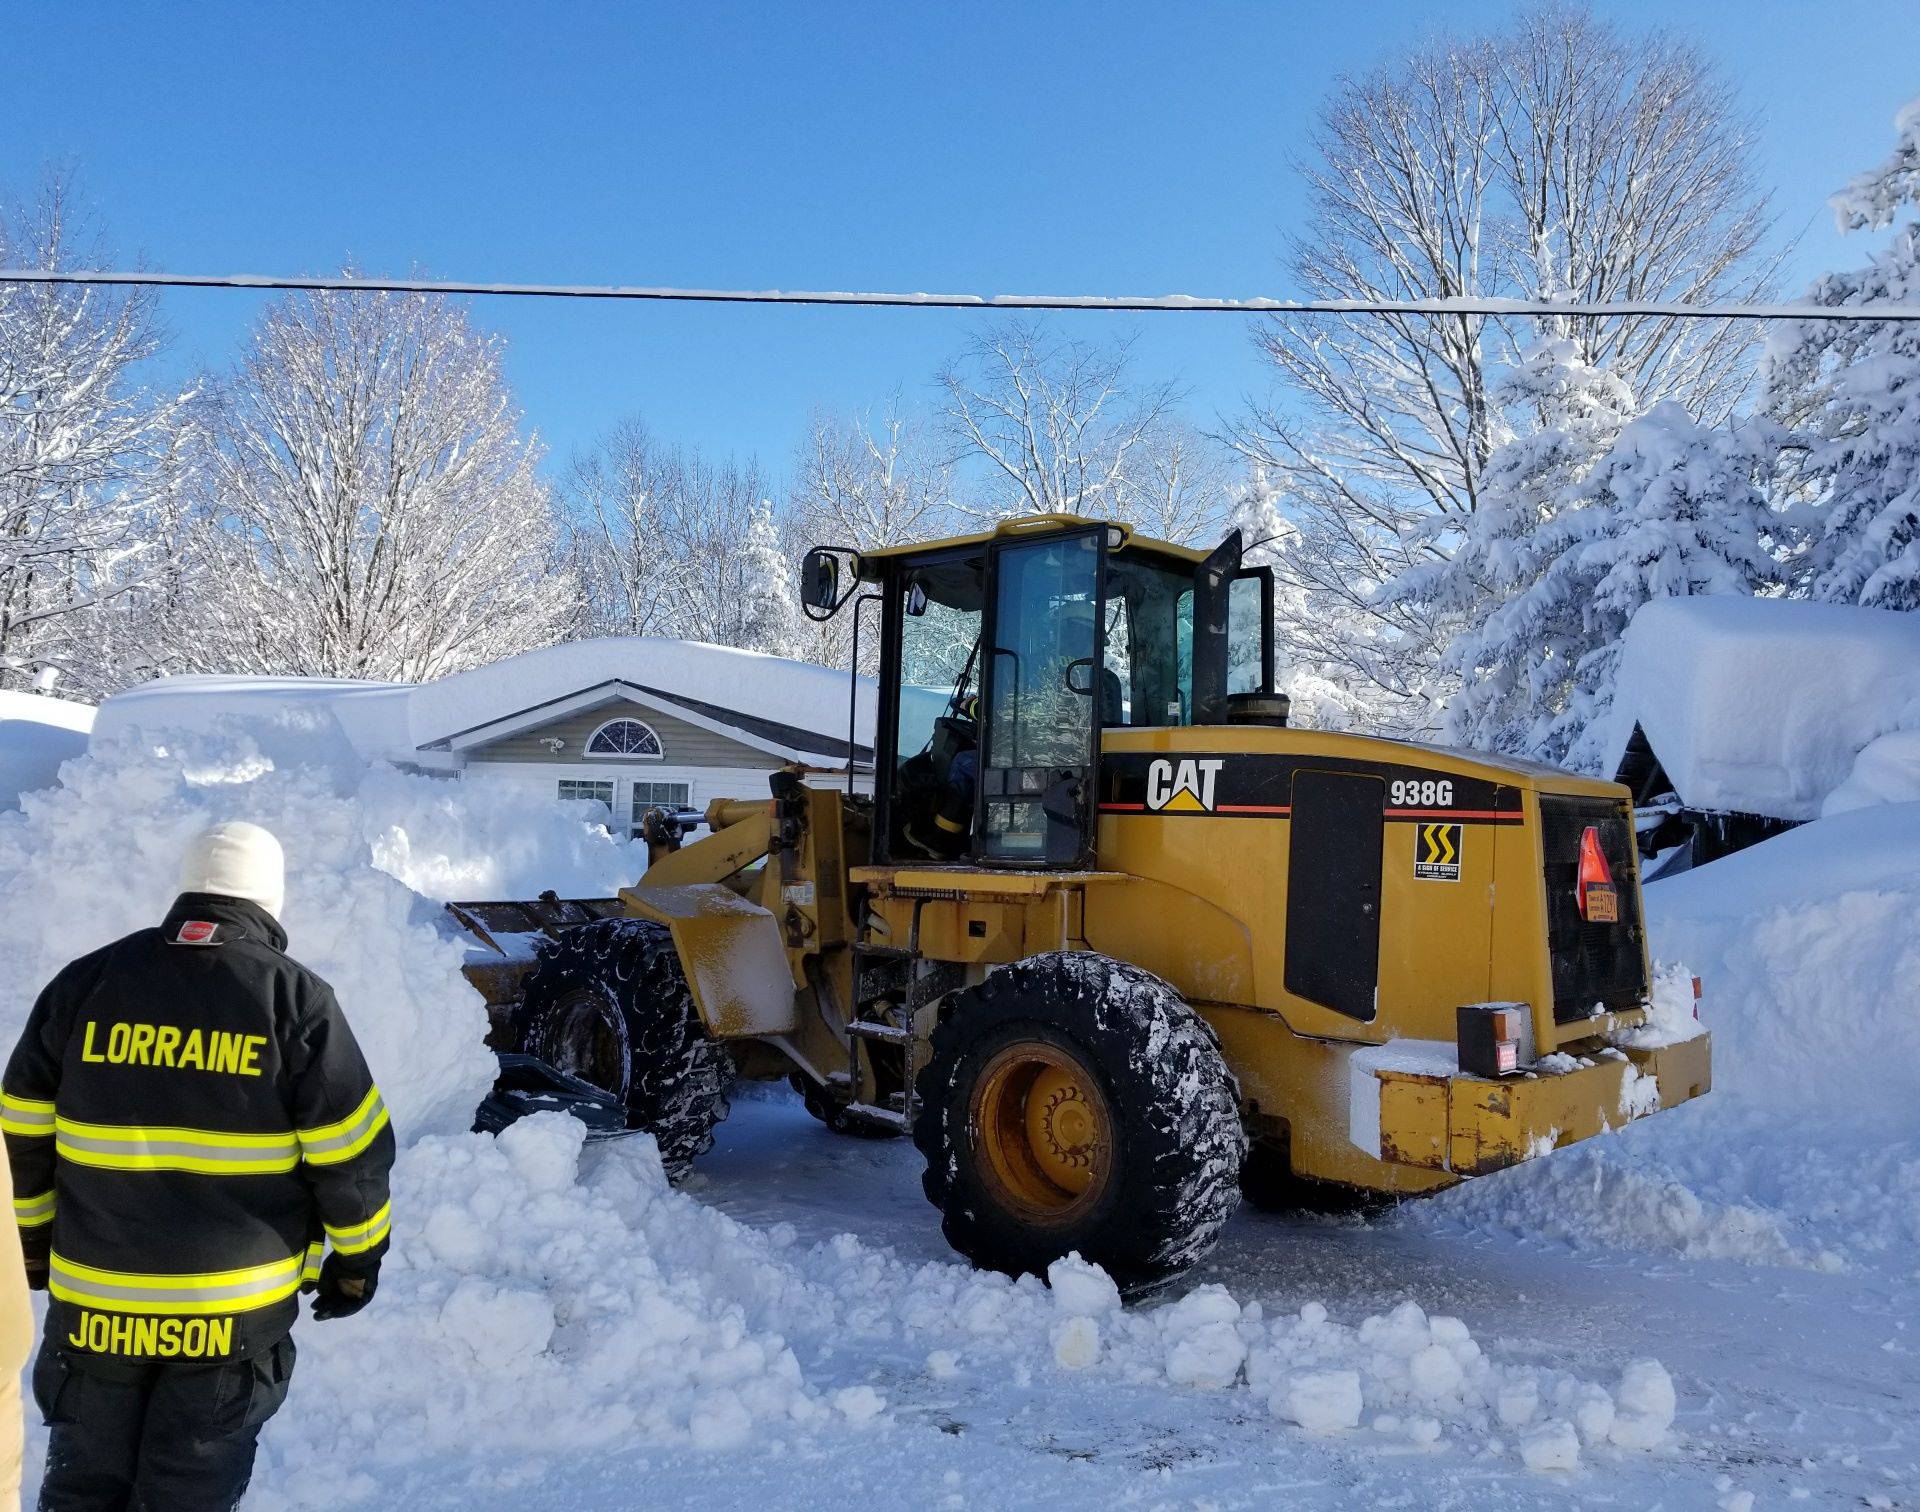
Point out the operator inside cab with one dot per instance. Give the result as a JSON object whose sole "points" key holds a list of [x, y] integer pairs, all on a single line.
{"points": [[935, 788]]}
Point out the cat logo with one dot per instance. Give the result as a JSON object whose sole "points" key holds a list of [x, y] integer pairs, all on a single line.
{"points": [[1184, 787], [1436, 853]]}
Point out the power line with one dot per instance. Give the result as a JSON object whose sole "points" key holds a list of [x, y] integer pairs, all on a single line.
{"points": [[1141, 304]]}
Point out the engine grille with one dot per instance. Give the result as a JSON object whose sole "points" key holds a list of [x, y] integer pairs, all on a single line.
{"points": [[1597, 968]]}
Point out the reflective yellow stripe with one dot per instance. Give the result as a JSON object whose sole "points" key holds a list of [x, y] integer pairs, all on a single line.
{"points": [[361, 1237], [330, 1144], [311, 1270], [25, 1115], [203, 1294], [951, 826], [31, 1212], [208, 1152]]}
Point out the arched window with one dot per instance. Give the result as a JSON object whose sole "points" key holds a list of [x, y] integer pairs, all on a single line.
{"points": [[624, 737]]}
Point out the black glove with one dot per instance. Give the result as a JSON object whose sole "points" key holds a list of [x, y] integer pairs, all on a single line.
{"points": [[344, 1288], [33, 1252]]}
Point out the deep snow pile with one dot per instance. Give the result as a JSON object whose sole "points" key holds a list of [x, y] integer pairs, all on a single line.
{"points": [[37, 734], [1763, 706], [1807, 1150], [545, 1300]]}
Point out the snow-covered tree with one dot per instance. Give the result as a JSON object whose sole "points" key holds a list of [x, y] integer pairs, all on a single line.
{"points": [[90, 461], [865, 485], [1558, 158], [372, 504], [1672, 509], [768, 610], [1042, 424], [1851, 392], [667, 542], [1313, 650], [1570, 414]]}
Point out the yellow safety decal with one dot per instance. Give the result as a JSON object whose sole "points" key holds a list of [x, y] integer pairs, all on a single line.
{"points": [[207, 1152], [333, 1143], [31, 1212], [200, 1294], [1436, 853], [358, 1238], [25, 1115]]}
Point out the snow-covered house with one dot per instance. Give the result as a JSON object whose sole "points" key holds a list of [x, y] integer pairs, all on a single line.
{"points": [[1735, 718], [628, 724]]}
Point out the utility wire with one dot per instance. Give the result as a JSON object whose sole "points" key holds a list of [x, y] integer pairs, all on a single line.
{"points": [[1166, 303]]}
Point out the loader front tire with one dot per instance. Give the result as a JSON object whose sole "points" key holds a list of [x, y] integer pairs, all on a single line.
{"points": [[1076, 1103], [609, 1003]]}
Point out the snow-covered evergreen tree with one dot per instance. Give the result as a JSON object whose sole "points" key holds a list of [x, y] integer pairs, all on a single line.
{"points": [[1508, 660], [1851, 392], [768, 607], [1672, 509]]}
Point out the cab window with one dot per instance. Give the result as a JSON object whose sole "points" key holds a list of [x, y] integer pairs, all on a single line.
{"points": [[1149, 650]]}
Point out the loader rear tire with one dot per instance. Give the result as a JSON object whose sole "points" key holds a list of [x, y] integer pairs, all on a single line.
{"points": [[608, 1003], [1076, 1103]]}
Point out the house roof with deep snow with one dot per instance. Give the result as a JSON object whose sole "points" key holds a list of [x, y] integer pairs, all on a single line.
{"points": [[1766, 706]]}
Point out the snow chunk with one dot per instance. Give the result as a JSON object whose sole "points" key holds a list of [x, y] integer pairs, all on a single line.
{"points": [[1324, 1401], [1081, 1290], [1552, 1446], [1204, 1344], [1076, 1343]]}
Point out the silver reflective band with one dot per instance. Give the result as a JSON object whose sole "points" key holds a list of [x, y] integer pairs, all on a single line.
{"points": [[31, 1212], [332, 1143], [25, 1115], [128, 1148], [211, 1292]]}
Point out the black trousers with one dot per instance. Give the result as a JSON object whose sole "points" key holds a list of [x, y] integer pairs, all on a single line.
{"points": [[140, 1436]]}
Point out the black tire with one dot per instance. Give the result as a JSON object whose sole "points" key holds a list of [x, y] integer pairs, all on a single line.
{"points": [[608, 1003], [1172, 1168], [835, 1117]]}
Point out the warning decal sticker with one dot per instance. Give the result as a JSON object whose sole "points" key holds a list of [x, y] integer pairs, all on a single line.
{"points": [[1436, 853]]}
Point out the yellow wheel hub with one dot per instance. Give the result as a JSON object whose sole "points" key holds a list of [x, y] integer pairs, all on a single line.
{"points": [[1045, 1133]]}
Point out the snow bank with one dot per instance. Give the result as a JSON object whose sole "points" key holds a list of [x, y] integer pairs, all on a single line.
{"points": [[1762, 705], [37, 733], [1807, 1150]]}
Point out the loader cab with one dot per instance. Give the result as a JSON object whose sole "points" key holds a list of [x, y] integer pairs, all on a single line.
{"points": [[1002, 659]]}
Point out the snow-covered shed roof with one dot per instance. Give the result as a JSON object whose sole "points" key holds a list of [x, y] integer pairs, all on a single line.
{"points": [[1763, 706], [790, 709], [37, 733]]}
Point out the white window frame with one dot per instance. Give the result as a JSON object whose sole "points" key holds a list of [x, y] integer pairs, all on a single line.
{"points": [[588, 753]]}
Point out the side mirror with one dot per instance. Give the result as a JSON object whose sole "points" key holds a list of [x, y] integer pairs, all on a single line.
{"points": [[820, 582], [916, 604]]}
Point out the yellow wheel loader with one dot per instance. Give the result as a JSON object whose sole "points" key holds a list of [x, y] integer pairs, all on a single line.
{"points": [[1108, 938]]}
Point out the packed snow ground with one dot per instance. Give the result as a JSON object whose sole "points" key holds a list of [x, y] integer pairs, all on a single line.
{"points": [[1711, 1304]]}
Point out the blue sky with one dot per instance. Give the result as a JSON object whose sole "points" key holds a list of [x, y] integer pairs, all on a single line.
{"points": [[1114, 148]]}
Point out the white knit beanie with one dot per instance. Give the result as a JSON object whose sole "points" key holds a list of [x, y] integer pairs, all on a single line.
{"points": [[237, 860]]}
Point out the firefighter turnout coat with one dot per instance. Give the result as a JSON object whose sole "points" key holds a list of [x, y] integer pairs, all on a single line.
{"points": [[189, 1123]]}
